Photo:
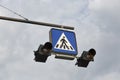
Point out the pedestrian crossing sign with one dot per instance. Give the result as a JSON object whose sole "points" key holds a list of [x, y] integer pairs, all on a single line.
{"points": [[63, 41]]}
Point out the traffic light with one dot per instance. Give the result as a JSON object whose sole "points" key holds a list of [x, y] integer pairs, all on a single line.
{"points": [[43, 52], [85, 58]]}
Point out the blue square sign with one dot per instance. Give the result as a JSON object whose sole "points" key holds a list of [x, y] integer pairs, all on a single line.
{"points": [[63, 41]]}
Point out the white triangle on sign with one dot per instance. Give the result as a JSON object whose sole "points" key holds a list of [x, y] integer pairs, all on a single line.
{"points": [[63, 43]]}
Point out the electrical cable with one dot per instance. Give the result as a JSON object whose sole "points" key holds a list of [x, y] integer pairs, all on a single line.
{"points": [[13, 12]]}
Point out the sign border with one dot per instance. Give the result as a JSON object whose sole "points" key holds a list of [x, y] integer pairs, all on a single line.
{"points": [[66, 53]]}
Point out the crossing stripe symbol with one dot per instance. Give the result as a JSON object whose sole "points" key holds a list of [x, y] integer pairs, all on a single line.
{"points": [[63, 43]]}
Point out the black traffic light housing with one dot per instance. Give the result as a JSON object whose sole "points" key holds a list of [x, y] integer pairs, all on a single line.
{"points": [[43, 52], [85, 58]]}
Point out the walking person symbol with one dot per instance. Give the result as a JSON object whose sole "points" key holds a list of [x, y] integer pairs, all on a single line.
{"points": [[63, 43]]}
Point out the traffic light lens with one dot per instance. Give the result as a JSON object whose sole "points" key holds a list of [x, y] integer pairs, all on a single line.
{"points": [[47, 45]]}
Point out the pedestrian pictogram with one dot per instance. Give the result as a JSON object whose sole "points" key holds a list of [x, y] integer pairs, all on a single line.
{"points": [[64, 44]]}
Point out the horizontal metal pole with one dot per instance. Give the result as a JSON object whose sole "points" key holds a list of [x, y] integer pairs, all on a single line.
{"points": [[36, 22]]}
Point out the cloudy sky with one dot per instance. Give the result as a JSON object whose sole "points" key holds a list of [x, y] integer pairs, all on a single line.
{"points": [[97, 25]]}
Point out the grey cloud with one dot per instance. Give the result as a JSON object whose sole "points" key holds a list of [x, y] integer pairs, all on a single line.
{"points": [[17, 41], [105, 17]]}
